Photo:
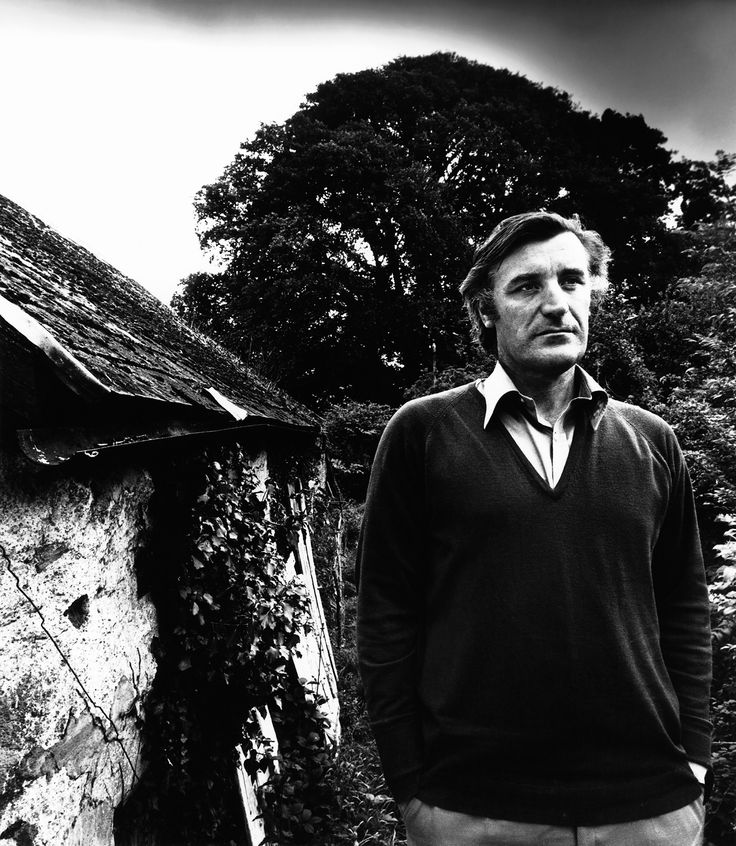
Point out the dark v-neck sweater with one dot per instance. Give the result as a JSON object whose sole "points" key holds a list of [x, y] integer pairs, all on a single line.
{"points": [[531, 653]]}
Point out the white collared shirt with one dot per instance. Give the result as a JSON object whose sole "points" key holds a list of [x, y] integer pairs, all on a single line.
{"points": [[545, 446]]}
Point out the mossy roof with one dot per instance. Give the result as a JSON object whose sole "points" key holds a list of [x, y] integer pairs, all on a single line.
{"points": [[113, 336]]}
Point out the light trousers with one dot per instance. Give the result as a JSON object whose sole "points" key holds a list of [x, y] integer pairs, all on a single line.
{"points": [[427, 825]]}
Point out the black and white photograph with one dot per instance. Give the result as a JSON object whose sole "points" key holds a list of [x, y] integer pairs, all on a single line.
{"points": [[367, 423]]}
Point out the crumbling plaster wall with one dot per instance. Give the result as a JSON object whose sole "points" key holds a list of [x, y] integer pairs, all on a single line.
{"points": [[68, 736]]}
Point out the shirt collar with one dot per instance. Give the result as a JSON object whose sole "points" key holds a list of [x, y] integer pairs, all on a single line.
{"points": [[499, 384]]}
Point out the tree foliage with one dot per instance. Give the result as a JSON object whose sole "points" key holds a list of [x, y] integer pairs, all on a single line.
{"points": [[691, 339], [346, 230]]}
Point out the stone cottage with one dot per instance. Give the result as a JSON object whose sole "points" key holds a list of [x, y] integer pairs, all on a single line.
{"points": [[104, 397]]}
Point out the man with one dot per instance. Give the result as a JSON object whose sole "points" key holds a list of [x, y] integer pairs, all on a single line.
{"points": [[533, 616]]}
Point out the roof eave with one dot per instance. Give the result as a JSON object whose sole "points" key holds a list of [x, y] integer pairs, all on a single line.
{"points": [[90, 389], [53, 446]]}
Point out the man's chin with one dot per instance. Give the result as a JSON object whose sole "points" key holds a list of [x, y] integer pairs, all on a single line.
{"points": [[557, 362]]}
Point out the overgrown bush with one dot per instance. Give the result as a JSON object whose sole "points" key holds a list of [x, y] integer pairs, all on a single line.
{"points": [[722, 807], [353, 430]]}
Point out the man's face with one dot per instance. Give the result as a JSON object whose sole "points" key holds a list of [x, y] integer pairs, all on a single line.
{"points": [[542, 302]]}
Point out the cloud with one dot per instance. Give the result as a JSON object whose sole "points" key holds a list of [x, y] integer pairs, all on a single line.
{"points": [[670, 60]]}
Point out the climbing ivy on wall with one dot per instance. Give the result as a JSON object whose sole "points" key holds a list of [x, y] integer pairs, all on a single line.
{"points": [[229, 621]]}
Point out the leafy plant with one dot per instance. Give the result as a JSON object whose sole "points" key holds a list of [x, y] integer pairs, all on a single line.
{"points": [[230, 621], [722, 816]]}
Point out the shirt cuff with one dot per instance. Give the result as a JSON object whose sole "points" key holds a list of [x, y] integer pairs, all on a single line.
{"points": [[699, 771]]}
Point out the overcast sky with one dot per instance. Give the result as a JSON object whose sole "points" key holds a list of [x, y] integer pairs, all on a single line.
{"points": [[115, 112]]}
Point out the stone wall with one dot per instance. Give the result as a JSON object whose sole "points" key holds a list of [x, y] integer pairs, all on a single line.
{"points": [[75, 666]]}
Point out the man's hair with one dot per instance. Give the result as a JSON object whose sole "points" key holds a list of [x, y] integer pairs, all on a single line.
{"points": [[510, 235]]}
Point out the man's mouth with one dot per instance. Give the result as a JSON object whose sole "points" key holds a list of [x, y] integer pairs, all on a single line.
{"points": [[561, 330]]}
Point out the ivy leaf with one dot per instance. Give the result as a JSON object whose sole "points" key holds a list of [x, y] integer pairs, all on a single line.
{"points": [[205, 547]]}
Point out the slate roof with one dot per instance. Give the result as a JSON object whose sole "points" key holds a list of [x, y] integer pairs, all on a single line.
{"points": [[107, 335]]}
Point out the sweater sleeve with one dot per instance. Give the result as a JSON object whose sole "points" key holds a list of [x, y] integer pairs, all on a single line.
{"points": [[389, 603], [684, 611]]}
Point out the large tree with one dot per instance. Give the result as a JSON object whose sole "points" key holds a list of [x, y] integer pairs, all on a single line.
{"points": [[345, 231]]}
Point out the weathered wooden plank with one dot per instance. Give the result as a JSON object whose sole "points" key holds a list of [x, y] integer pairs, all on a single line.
{"points": [[315, 662], [266, 750]]}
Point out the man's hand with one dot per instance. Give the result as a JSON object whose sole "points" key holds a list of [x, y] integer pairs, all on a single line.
{"points": [[407, 805]]}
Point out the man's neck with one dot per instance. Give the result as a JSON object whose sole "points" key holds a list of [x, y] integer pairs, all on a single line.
{"points": [[551, 392]]}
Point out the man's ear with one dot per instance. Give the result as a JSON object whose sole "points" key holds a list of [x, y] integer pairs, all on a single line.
{"points": [[487, 316]]}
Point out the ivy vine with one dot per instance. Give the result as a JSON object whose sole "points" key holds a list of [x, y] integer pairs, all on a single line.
{"points": [[230, 621]]}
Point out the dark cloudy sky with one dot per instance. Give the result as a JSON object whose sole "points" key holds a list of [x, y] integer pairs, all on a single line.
{"points": [[116, 111]]}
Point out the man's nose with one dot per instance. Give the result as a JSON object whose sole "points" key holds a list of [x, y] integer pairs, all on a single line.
{"points": [[555, 301]]}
